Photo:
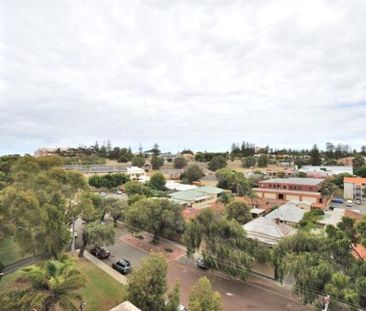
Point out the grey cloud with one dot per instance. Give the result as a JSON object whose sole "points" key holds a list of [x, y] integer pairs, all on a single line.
{"points": [[198, 74]]}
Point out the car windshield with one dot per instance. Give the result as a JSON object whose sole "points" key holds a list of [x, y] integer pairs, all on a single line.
{"points": [[123, 263]]}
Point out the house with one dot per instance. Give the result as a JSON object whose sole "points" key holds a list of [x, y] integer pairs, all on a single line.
{"points": [[354, 188], [300, 189], [268, 231], [135, 172], [125, 306], [197, 198], [324, 171], [332, 217], [256, 212], [290, 213]]}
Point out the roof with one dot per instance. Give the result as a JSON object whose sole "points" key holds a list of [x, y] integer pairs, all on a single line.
{"points": [[257, 211], [355, 180], [211, 190], [290, 212], [294, 181], [332, 217], [189, 195], [262, 203], [354, 214], [267, 230], [192, 195], [359, 251], [125, 306], [134, 170], [172, 185]]}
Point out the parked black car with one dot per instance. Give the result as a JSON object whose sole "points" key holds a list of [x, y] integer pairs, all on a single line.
{"points": [[100, 252], [123, 266], [201, 263]]}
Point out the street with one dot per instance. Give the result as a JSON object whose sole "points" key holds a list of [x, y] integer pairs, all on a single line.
{"points": [[255, 294]]}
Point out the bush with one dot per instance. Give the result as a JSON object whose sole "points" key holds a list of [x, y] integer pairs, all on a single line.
{"points": [[138, 161], [179, 162], [156, 162], [216, 163]]}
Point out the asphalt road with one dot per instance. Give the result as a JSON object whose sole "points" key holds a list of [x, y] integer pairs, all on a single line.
{"points": [[255, 294]]}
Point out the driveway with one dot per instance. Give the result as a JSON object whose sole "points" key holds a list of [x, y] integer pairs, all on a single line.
{"points": [[123, 250]]}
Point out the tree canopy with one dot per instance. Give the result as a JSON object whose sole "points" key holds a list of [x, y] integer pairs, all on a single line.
{"points": [[138, 160], [108, 181], [203, 298], [160, 217], [156, 162], [325, 264], [179, 162], [192, 173], [157, 182], [216, 163], [222, 242], [239, 211], [147, 284], [54, 285], [233, 180]]}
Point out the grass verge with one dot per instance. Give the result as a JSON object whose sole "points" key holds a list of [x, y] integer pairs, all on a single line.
{"points": [[101, 291]]}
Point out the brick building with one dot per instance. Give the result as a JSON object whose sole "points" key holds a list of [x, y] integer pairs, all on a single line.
{"points": [[300, 189]]}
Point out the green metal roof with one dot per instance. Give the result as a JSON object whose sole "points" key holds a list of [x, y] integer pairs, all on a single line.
{"points": [[195, 194]]}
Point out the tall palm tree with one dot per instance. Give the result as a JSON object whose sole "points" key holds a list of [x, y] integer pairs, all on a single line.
{"points": [[53, 286]]}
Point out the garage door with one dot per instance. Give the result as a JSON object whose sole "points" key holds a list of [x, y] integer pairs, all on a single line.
{"points": [[270, 196], [259, 194], [290, 197], [310, 199]]}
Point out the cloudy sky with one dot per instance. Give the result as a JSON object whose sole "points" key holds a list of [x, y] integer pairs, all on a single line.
{"points": [[199, 74]]}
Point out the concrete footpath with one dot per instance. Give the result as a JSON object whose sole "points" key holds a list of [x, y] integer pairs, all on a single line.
{"points": [[107, 269]]}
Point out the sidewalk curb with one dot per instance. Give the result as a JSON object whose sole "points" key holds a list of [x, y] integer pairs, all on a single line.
{"points": [[107, 269]]}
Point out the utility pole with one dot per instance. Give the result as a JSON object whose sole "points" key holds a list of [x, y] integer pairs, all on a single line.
{"points": [[73, 235]]}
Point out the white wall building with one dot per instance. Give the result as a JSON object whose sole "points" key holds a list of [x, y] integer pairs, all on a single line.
{"points": [[135, 172], [326, 170]]}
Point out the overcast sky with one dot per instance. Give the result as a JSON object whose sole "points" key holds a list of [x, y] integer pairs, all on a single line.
{"points": [[185, 74]]}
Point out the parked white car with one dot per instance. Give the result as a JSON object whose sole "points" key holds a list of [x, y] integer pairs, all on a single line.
{"points": [[349, 203]]}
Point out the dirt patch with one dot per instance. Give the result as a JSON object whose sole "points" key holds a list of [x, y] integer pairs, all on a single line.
{"points": [[170, 251]]}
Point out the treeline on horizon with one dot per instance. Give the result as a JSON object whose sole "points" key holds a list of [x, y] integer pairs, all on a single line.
{"points": [[245, 149]]}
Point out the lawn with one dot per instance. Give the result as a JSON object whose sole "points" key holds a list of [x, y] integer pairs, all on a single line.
{"points": [[10, 251], [9, 279], [101, 292]]}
